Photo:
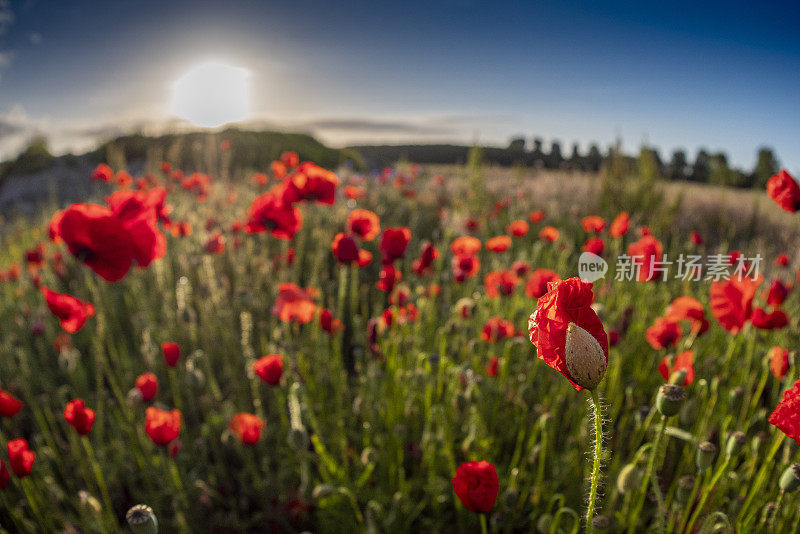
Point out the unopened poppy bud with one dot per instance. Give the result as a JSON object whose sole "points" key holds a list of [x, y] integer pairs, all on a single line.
{"points": [[585, 359], [706, 452], [735, 444], [142, 520], [543, 523], [669, 399], [601, 523], [629, 478], [322, 491], [89, 502], [790, 479], [685, 486], [735, 397]]}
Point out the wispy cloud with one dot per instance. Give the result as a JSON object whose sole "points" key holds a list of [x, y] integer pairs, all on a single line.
{"points": [[6, 16]]}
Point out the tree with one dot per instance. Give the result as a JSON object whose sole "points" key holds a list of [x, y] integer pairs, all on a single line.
{"points": [[700, 168], [766, 165], [678, 166], [594, 159], [575, 160], [555, 158], [517, 144]]}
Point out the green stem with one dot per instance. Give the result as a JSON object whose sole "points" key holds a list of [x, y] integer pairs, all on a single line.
{"points": [[755, 489], [484, 529], [649, 475], [707, 490], [598, 453]]}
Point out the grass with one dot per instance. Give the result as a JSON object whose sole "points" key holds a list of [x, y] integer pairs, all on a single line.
{"points": [[375, 450]]}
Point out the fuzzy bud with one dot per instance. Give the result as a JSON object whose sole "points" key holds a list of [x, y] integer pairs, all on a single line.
{"points": [[585, 359], [790, 479], [735, 444]]}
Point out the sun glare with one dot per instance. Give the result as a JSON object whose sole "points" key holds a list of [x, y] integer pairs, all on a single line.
{"points": [[212, 94]]}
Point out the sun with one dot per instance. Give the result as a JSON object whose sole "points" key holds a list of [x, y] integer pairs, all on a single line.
{"points": [[212, 94]]}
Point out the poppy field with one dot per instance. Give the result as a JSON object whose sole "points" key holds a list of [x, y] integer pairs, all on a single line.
{"points": [[295, 348]]}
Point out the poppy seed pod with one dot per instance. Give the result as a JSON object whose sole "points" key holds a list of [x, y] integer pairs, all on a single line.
{"points": [[629, 478], [142, 520], [706, 452], [685, 486], [585, 359], [790, 479], [669, 399], [735, 444]]}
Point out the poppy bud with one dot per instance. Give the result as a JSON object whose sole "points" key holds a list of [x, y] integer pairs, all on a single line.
{"points": [[705, 456], [629, 478], [735, 444], [790, 479], [89, 503], [142, 520], [543, 523], [685, 486], [735, 397], [601, 523], [669, 399], [323, 490], [584, 357]]}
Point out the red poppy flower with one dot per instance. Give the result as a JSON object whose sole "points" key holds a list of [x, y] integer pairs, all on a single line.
{"points": [[500, 283], [777, 293], [491, 368], [645, 253], [139, 213], [79, 416], [476, 485], [172, 353], [778, 362], [774, 320], [102, 173], [499, 243], [784, 190], [595, 245], [782, 260], [215, 243], [161, 425], [428, 254], [663, 334], [593, 223], [363, 223], [731, 301], [310, 183], [682, 361], [278, 169], [786, 415], [388, 278], [345, 249], [5, 476], [71, 312], [521, 268], [696, 238], [566, 301], [269, 368], [147, 384], [269, 213], [328, 323], [538, 282], [364, 257], [687, 309], [20, 457], [548, 233], [295, 303], [394, 242], [496, 329], [465, 267], [9, 404], [518, 228], [35, 257], [247, 427], [290, 159], [620, 225], [95, 236], [465, 246], [536, 216]]}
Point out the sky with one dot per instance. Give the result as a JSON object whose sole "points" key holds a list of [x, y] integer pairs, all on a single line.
{"points": [[722, 76]]}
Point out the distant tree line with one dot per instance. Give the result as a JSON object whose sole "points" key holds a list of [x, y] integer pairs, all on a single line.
{"points": [[706, 167]]}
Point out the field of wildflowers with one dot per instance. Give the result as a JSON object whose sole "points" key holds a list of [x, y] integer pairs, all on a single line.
{"points": [[291, 349]]}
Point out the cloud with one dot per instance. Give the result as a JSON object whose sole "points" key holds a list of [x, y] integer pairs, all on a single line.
{"points": [[366, 126], [35, 38], [6, 16]]}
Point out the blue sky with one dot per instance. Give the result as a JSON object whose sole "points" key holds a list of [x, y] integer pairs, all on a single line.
{"points": [[688, 74]]}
